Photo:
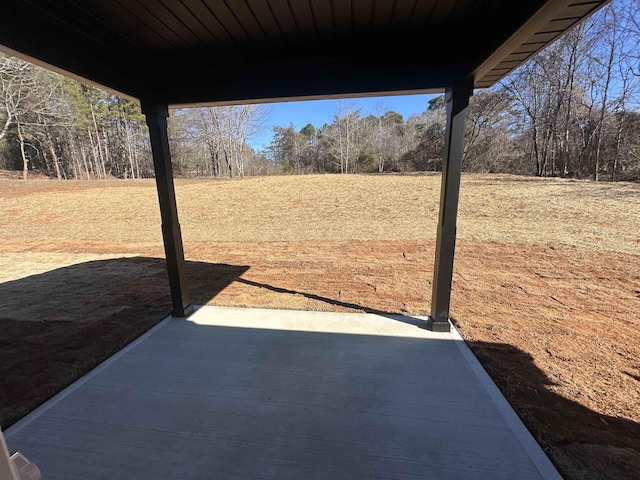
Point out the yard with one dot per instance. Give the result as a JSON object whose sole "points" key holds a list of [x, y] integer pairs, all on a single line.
{"points": [[546, 285]]}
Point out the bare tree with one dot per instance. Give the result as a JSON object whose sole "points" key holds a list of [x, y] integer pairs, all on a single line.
{"points": [[31, 100], [343, 137], [234, 126], [387, 137], [602, 62], [486, 127], [19, 97], [542, 87]]}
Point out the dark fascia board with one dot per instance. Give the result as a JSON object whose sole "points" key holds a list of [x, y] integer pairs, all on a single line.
{"points": [[272, 83], [301, 98], [542, 17], [375, 65], [67, 73]]}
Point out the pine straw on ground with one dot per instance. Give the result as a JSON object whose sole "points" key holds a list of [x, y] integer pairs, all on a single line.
{"points": [[546, 286]]}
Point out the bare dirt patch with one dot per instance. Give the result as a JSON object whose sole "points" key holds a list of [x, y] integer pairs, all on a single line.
{"points": [[546, 288]]}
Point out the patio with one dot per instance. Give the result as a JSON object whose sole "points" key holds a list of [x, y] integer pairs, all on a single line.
{"points": [[254, 393]]}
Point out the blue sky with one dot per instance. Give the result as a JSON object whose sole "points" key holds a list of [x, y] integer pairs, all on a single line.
{"points": [[319, 112]]}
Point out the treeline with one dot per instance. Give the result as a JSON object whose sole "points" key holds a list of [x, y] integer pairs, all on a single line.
{"points": [[58, 126], [571, 111]]}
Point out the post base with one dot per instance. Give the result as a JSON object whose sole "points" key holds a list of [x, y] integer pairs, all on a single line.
{"points": [[438, 325], [183, 312]]}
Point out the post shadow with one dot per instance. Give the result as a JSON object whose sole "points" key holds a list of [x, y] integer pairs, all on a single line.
{"points": [[331, 301], [581, 442]]}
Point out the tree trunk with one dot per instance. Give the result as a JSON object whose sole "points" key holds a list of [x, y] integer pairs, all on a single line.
{"points": [[216, 164], [240, 160], [95, 160], [553, 157], [616, 152], [84, 161], [129, 147], [52, 150], [536, 153], [25, 161], [229, 164], [105, 159], [5, 127], [74, 166], [54, 159], [135, 157], [100, 155], [570, 86], [603, 107], [596, 171]]}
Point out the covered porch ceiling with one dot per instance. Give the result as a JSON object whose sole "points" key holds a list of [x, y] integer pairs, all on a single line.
{"points": [[195, 52]]}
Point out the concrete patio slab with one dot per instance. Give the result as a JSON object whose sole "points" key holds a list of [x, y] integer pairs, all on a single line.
{"points": [[234, 393]]}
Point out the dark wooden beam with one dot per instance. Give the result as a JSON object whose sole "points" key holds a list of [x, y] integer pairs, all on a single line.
{"points": [[156, 116], [457, 99], [311, 81]]}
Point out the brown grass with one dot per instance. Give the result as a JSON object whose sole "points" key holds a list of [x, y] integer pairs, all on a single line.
{"points": [[546, 285], [330, 208]]}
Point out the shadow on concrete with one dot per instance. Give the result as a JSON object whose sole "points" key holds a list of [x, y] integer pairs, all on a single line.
{"points": [[582, 443], [56, 326]]}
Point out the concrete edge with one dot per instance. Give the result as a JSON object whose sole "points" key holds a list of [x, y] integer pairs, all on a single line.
{"points": [[34, 414], [540, 459]]}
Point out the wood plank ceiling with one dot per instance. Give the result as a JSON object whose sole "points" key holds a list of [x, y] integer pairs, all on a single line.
{"points": [[217, 51]]}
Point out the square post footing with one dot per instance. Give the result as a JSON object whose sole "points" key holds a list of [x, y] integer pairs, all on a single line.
{"points": [[438, 326]]}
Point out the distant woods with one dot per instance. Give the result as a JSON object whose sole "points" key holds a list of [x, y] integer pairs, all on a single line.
{"points": [[572, 111], [55, 125]]}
